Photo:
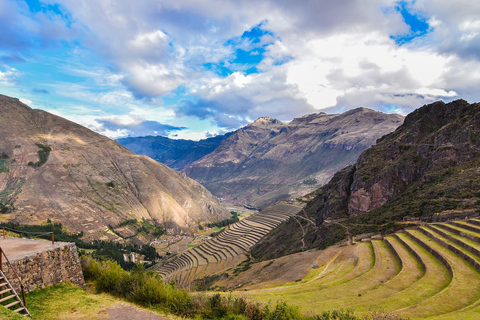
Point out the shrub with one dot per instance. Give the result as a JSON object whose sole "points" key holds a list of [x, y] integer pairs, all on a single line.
{"points": [[111, 278], [91, 268], [151, 292]]}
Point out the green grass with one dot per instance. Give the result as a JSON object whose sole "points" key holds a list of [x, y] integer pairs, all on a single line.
{"points": [[62, 301], [463, 291], [379, 282]]}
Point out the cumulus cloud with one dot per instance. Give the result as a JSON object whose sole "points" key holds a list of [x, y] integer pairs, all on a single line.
{"points": [[8, 76], [129, 125], [187, 56], [238, 99]]}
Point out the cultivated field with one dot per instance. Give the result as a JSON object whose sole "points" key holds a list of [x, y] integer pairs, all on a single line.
{"points": [[228, 248], [429, 272]]}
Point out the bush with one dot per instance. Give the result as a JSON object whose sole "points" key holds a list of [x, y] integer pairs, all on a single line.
{"points": [[148, 289], [111, 278], [151, 292]]}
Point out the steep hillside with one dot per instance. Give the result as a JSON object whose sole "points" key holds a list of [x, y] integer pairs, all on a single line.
{"points": [[427, 169], [177, 154], [269, 160], [54, 169]]}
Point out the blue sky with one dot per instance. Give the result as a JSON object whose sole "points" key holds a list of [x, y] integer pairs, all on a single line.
{"points": [[193, 69]]}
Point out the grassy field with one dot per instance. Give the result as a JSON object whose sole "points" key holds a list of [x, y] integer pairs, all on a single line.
{"points": [[414, 274], [66, 301], [63, 302]]}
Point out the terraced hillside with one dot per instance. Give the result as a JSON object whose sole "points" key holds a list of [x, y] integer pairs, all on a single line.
{"points": [[432, 271], [234, 241]]}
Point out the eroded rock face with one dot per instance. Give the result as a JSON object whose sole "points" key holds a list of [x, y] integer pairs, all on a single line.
{"points": [[89, 181], [433, 138], [269, 160]]}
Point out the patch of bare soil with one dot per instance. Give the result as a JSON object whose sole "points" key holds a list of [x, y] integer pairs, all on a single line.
{"points": [[279, 271], [123, 311]]}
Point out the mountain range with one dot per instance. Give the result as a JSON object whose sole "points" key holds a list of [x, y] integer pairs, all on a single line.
{"points": [[53, 169], [175, 153], [270, 160], [427, 169]]}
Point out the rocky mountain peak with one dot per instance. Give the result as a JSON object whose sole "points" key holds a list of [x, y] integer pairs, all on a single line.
{"points": [[270, 160], [266, 122]]}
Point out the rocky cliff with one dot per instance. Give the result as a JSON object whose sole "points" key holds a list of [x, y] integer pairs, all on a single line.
{"points": [[51, 168], [427, 169], [269, 160]]}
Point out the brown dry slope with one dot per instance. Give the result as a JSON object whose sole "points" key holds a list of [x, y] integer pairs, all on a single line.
{"points": [[270, 160], [88, 181]]}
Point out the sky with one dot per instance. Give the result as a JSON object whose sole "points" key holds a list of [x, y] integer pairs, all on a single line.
{"points": [[192, 69]]}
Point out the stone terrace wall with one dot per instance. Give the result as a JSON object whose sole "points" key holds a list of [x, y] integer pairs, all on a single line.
{"points": [[47, 268]]}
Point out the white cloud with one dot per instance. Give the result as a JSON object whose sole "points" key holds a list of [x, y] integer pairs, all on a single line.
{"points": [[321, 54], [9, 76]]}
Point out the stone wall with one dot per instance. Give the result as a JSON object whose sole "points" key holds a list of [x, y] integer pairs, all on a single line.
{"points": [[47, 268]]}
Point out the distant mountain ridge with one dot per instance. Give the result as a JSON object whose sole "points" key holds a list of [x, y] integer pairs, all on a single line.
{"points": [[269, 160], [427, 169], [175, 153], [51, 168]]}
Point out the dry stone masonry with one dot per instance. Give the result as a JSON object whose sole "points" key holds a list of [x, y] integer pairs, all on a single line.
{"points": [[45, 266]]}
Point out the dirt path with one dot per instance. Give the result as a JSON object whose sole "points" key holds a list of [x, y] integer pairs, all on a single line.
{"points": [[123, 311]]}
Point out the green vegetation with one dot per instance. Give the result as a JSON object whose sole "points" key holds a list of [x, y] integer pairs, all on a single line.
{"points": [[3, 166], [142, 226], [310, 182], [147, 289], [6, 207], [43, 154], [225, 222], [127, 222], [65, 301]]}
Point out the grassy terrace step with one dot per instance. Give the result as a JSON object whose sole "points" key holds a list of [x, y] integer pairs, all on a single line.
{"points": [[463, 290], [269, 224], [221, 250], [224, 246], [252, 225], [207, 253], [474, 222], [243, 231], [251, 238], [381, 267], [397, 292], [265, 218], [466, 243], [234, 240], [240, 237], [462, 252], [460, 231], [346, 270], [385, 269], [249, 226], [465, 225], [233, 246]]}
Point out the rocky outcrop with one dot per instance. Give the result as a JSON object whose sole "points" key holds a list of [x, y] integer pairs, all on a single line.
{"points": [[270, 160], [426, 168], [54, 169]]}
